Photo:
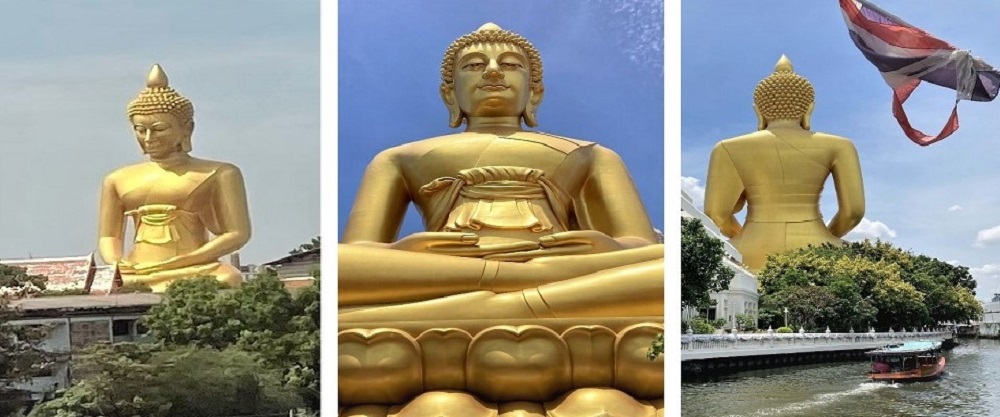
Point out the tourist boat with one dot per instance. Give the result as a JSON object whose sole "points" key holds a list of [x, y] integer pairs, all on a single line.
{"points": [[907, 362]]}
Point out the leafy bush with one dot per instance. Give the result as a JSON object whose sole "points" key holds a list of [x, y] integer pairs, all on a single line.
{"points": [[655, 348], [700, 325], [125, 380], [784, 330], [132, 287], [746, 322], [260, 317]]}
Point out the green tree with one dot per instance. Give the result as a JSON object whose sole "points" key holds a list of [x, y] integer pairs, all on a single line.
{"points": [[112, 381], [231, 382], [20, 354], [289, 335], [125, 380], [864, 284], [702, 269], [900, 305], [195, 312], [15, 276], [261, 317]]}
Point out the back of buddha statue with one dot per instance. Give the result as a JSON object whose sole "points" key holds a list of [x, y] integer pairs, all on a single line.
{"points": [[779, 172], [782, 171]]}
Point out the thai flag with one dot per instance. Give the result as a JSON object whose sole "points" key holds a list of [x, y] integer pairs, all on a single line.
{"points": [[906, 55]]}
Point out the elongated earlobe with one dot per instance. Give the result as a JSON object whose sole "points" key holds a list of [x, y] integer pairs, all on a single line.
{"points": [[530, 114], [186, 142], [455, 116]]}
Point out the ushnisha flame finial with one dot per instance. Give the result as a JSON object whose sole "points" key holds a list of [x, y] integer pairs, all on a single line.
{"points": [[157, 78], [784, 64]]}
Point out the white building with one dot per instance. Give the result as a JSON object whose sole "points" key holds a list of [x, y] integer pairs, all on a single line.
{"points": [[990, 326], [74, 323], [742, 295]]}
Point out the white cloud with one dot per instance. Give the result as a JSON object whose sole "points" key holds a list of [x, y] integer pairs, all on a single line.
{"points": [[869, 229], [987, 280], [956, 207], [692, 186], [987, 236]]}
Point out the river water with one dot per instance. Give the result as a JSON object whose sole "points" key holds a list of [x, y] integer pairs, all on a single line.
{"points": [[969, 387]]}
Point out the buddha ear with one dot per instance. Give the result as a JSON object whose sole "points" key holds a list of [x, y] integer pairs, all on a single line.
{"points": [[451, 102], [186, 141], [807, 118], [531, 109], [761, 121]]}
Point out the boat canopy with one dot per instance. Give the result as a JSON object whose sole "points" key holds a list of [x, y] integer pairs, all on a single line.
{"points": [[907, 349]]}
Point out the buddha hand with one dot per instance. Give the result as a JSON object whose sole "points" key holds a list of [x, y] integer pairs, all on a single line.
{"points": [[456, 244], [576, 242], [146, 268]]}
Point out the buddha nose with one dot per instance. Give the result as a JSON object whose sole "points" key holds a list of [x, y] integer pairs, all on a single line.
{"points": [[492, 71], [147, 136]]}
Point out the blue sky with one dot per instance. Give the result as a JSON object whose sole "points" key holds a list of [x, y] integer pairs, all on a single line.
{"points": [[603, 66], [940, 200], [68, 69]]}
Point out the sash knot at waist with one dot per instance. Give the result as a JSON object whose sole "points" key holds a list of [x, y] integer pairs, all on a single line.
{"points": [[497, 197], [156, 223]]}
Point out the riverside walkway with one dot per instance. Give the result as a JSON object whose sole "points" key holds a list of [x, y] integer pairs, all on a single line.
{"points": [[741, 351]]}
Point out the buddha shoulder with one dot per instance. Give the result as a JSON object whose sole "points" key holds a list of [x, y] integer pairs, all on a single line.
{"points": [[422, 146], [204, 166], [833, 140], [749, 139], [213, 166]]}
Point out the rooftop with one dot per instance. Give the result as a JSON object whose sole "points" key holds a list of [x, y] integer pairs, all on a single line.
{"points": [[75, 272], [304, 256], [85, 304]]}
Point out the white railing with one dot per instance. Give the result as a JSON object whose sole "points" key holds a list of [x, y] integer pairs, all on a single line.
{"points": [[706, 342]]}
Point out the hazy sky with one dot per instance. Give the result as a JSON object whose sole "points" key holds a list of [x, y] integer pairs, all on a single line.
{"points": [[941, 201], [603, 75], [68, 69]]}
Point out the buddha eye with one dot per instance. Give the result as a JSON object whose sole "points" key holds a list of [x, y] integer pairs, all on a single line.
{"points": [[474, 66], [159, 127], [139, 128], [511, 65]]}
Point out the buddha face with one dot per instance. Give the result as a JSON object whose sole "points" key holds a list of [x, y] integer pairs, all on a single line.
{"points": [[160, 135], [492, 80]]}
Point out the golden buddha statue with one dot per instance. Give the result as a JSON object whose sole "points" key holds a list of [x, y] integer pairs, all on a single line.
{"points": [[174, 200], [779, 171], [519, 223]]}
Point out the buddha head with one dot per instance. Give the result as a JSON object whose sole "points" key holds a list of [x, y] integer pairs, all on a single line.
{"points": [[491, 72], [161, 118], [783, 95]]}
